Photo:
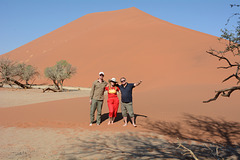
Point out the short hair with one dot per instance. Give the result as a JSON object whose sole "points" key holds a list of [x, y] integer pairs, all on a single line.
{"points": [[122, 78]]}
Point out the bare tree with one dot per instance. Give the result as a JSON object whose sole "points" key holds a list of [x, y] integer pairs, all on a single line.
{"points": [[60, 72], [11, 72], [26, 72], [231, 56], [6, 70]]}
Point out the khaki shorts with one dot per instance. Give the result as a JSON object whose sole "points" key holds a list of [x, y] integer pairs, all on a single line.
{"points": [[127, 108]]}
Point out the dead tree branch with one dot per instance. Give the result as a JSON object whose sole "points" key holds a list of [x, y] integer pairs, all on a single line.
{"points": [[50, 89], [222, 92], [17, 83], [225, 92], [185, 149], [222, 58]]}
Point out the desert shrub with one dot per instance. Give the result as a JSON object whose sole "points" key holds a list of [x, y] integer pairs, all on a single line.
{"points": [[60, 72], [26, 72], [13, 72], [7, 70]]}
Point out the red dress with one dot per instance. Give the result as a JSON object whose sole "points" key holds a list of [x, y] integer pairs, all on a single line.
{"points": [[113, 101]]}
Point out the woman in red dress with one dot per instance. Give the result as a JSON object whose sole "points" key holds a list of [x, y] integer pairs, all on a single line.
{"points": [[113, 101]]}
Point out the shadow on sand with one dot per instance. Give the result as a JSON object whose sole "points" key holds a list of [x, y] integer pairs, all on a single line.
{"points": [[213, 138], [120, 117], [207, 138]]}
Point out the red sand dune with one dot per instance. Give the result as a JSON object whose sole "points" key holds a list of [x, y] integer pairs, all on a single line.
{"points": [[171, 60]]}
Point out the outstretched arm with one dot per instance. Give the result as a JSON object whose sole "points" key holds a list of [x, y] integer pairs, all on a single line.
{"points": [[136, 84]]}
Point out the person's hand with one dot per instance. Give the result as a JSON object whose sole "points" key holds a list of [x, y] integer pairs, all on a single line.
{"points": [[90, 102], [136, 84]]}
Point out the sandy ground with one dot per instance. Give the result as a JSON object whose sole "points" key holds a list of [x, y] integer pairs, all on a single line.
{"points": [[74, 144], [46, 143], [74, 139], [68, 140], [18, 97]]}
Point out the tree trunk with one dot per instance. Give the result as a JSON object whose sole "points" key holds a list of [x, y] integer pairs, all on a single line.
{"points": [[27, 82], [56, 85], [19, 84], [61, 85]]}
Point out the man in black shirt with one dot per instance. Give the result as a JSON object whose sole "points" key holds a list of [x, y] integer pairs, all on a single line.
{"points": [[126, 99]]}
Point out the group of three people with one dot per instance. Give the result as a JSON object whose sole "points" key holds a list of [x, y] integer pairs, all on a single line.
{"points": [[97, 97]]}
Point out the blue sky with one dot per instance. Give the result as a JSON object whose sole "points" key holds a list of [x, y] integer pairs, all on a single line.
{"points": [[22, 21]]}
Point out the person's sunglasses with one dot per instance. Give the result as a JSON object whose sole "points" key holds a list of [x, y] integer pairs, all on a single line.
{"points": [[122, 80], [101, 75]]}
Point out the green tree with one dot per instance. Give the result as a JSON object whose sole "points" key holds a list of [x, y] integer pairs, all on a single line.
{"points": [[26, 72], [60, 72]]}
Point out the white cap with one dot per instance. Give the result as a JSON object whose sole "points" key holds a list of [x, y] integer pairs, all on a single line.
{"points": [[101, 73], [113, 80]]}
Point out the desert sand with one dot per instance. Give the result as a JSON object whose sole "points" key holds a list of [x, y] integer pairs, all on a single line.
{"points": [[23, 97], [177, 76], [59, 129], [46, 143]]}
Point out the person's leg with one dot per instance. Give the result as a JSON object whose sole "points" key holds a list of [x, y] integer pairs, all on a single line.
{"points": [[115, 109], [110, 120], [124, 113], [110, 106], [125, 121], [99, 111], [131, 113], [113, 119], [93, 108], [133, 123], [110, 109]]}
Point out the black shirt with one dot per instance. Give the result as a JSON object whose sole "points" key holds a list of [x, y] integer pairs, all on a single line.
{"points": [[126, 92]]}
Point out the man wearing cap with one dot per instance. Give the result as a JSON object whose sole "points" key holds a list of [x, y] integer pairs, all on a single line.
{"points": [[96, 98], [126, 98]]}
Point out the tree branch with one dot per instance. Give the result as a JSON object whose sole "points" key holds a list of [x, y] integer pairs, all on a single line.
{"points": [[228, 94], [188, 150], [50, 89], [224, 58], [230, 65], [233, 75]]}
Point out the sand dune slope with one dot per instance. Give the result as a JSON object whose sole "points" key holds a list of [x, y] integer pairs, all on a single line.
{"points": [[128, 43]]}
